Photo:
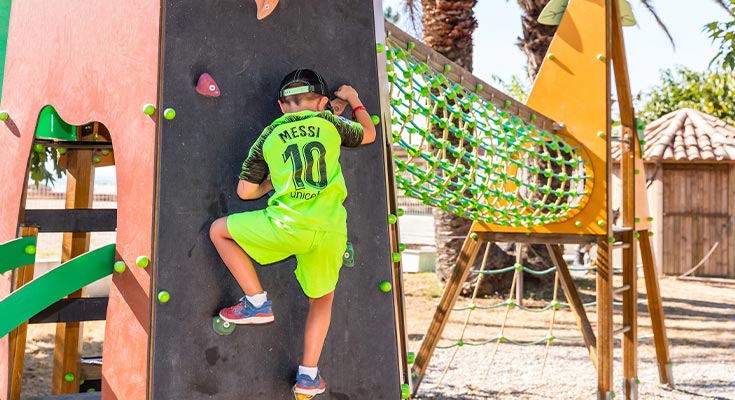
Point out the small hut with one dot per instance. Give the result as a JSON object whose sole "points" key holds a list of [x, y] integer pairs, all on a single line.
{"points": [[689, 159]]}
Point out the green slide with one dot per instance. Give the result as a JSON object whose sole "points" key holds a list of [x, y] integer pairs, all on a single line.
{"points": [[54, 285]]}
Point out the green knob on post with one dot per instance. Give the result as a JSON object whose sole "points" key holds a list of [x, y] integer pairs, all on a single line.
{"points": [[405, 391], [38, 148], [61, 150], [69, 377], [479, 87], [411, 357], [169, 113], [379, 48], [473, 236], [4, 115], [401, 247], [142, 261], [96, 159], [149, 109], [410, 45], [385, 287], [601, 223], [550, 56], [447, 68], [601, 57], [507, 103], [578, 224], [392, 219], [376, 119], [105, 152], [400, 212], [119, 266], [164, 296], [30, 249], [396, 257]]}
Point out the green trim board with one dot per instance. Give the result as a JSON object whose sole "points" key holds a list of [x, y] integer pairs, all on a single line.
{"points": [[54, 285], [5, 6], [17, 253]]}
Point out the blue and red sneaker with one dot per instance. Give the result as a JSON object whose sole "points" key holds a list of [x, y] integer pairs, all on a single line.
{"points": [[310, 387], [245, 313]]}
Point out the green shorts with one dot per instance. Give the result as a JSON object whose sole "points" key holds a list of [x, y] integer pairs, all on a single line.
{"points": [[318, 253]]}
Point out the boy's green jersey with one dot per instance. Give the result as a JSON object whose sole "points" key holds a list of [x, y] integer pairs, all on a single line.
{"points": [[301, 153]]}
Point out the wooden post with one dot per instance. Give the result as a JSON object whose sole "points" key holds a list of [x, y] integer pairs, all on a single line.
{"points": [[519, 279], [79, 194], [630, 319], [656, 310], [575, 303], [466, 258], [604, 320], [18, 336]]}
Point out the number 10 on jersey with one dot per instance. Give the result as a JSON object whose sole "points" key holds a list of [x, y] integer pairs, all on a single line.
{"points": [[303, 161]]}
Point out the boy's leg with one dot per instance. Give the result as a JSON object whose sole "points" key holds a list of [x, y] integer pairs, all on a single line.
{"points": [[317, 326], [235, 258]]}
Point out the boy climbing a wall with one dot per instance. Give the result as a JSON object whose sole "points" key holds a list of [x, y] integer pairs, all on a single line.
{"points": [[296, 156]]}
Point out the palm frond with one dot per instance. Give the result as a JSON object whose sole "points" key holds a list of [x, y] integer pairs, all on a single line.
{"points": [[649, 5], [722, 4]]}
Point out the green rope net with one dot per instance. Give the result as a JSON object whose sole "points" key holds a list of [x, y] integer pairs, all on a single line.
{"points": [[475, 159]]}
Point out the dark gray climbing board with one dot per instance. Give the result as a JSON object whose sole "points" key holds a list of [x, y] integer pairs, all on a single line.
{"points": [[200, 153]]}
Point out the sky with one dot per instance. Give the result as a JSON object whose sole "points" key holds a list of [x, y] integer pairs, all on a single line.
{"points": [[648, 48]]}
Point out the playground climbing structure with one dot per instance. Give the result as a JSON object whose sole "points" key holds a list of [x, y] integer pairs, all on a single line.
{"points": [[534, 173]]}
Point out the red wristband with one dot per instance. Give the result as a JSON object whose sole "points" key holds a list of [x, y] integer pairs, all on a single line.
{"points": [[356, 109]]}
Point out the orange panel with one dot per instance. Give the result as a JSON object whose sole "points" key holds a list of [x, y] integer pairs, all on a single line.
{"points": [[572, 87], [94, 61]]}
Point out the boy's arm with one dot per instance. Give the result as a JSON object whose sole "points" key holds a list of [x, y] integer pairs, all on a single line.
{"points": [[349, 94], [251, 191]]}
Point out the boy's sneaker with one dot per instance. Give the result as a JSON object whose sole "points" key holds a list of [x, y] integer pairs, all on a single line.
{"points": [[310, 387], [244, 313]]}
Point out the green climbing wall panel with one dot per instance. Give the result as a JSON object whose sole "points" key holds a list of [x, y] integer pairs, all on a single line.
{"points": [[54, 285], [466, 155], [17, 252], [4, 25]]}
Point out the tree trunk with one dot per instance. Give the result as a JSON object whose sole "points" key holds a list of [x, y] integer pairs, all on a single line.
{"points": [[536, 37], [448, 28]]}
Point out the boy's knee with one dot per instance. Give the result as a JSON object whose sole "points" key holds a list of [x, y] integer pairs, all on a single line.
{"points": [[218, 229]]}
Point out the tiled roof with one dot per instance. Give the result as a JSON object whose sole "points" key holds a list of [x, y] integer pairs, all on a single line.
{"points": [[687, 135]]}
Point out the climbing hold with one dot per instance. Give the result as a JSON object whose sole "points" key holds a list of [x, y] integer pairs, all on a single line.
{"points": [[550, 56], [507, 103], [637, 172], [410, 45], [392, 219], [649, 219], [396, 257], [385, 286], [405, 391], [164, 296], [460, 343], [479, 87], [600, 57], [96, 159], [349, 256], [447, 68], [265, 8], [376, 119], [69, 377], [206, 86], [400, 212], [4, 115], [636, 235], [637, 220], [169, 113], [637, 381], [473, 236], [411, 357], [119, 266], [30, 249], [611, 239], [142, 261], [401, 247], [578, 224], [379, 47], [61, 150], [38, 148], [105, 152], [600, 134], [149, 109], [612, 395], [413, 375], [601, 223], [650, 234]]}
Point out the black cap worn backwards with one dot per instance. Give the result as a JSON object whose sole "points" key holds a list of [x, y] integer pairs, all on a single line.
{"points": [[313, 83]]}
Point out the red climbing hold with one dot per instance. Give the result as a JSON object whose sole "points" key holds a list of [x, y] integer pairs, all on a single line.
{"points": [[207, 86]]}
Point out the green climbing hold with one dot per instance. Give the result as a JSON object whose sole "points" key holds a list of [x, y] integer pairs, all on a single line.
{"points": [[164, 296], [637, 220], [637, 381], [392, 219], [4, 115], [96, 159], [149, 109], [396, 257], [473, 236], [578, 224], [142, 261], [479, 87], [405, 391], [650, 219], [169, 113], [600, 57], [550, 56], [410, 45], [119, 266], [447, 68], [460, 343], [611, 239], [386, 286], [601, 223], [411, 357], [61, 150], [400, 212], [612, 395], [30, 249], [105, 152], [38, 148], [69, 377], [376, 119], [379, 47], [507, 103], [401, 247], [600, 134], [636, 235], [650, 234]]}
